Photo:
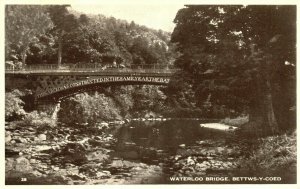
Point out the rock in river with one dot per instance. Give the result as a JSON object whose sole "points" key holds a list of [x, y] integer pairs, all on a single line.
{"points": [[97, 156], [42, 137], [22, 165], [74, 153], [7, 138], [9, 164]]}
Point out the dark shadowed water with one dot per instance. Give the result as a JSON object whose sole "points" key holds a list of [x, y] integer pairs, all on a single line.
{"points": [[151, 141]]}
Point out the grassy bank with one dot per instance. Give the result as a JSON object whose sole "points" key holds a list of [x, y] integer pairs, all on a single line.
{"points": [[273, 156]]}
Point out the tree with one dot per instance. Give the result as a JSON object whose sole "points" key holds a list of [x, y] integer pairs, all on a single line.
{"points": [[236, 55], [83, 19], [42, 51], [23, 25], [63, 22]]}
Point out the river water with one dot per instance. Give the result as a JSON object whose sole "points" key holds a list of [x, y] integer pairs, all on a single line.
{"points": [[135, 152], [163, 137]]}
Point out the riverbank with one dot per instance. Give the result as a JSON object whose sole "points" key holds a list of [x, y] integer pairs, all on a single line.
{"points": [[272, 156]]}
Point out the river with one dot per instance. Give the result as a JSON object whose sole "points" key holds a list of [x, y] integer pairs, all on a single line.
{"points": [[133, 153], [165, 137]]}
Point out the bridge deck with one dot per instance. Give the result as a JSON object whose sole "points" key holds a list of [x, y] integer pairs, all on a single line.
{"points": [[94, 69]]}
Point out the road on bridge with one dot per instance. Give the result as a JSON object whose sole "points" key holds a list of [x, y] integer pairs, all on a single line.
{"points": [[89, 69]]}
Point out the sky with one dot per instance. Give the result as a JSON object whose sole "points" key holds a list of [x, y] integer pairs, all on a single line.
{"points": [[156, 16]]}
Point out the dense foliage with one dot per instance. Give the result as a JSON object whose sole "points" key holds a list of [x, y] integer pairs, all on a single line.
{"points": [[23, 25], [40, 120], [84, 108], [60, 35], [236, 57], [112, 103]]}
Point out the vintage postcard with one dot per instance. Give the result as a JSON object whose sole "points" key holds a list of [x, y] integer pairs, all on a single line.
{"points": [[150, 93]]}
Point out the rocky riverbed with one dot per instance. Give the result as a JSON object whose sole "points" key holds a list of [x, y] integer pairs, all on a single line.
{"points": [[64, 155]]}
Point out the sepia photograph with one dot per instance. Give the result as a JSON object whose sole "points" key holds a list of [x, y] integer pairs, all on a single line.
{"points": [[150, 93]]}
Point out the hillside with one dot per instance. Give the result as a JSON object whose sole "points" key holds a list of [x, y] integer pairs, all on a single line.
{"points": [[97, 39]]}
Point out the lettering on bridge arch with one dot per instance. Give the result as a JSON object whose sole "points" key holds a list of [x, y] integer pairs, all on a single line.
{"points": [[59, 88]]}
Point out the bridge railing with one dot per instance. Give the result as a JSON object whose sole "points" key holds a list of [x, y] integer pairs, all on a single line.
{"points": [[90, 67]]}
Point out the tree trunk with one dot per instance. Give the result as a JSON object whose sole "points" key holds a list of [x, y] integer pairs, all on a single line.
{"points": [[23, 55], [261, 117], [284, 98], [59, 55], [270, 121]]}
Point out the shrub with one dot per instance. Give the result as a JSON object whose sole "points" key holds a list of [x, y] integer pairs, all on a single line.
{"points": [[241, 120], [38, 120], [14, 105], [183, 112], [85, 108]]}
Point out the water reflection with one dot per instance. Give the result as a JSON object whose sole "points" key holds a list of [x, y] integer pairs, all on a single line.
{"points": [[151, 141]]}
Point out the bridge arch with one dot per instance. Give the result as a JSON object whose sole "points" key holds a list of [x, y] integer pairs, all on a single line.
{"points": [[72, 88]]}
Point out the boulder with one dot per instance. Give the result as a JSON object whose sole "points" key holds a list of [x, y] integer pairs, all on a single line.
{"points": [[42, 148], [30, 129], [7, 138], [37, 173], [20, 140], [220, 150], [106, 172], [129, 163], [42, 137], [77, 176], [74, 153], [103, 174], [103, 125], [117, 163], [97, 156], [33, 161], [22, 165], [9, 164]]}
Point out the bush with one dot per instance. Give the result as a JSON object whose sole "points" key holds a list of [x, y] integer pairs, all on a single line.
{"points": [[38, 120], [14, 105], [183, 113], [241, 120], [85, 108]]}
